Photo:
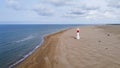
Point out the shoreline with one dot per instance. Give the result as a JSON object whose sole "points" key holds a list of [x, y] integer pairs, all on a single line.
{"points": [[62, 50], [26, 56], [45, 40], [38, 46]]}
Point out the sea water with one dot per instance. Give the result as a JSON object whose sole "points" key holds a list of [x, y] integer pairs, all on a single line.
{"points": [[19, 41]]}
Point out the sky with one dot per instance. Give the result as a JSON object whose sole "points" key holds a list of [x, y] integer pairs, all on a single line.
{"points": [[59, 11]]}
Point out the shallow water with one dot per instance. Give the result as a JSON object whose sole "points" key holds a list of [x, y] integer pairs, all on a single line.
{"points": [[17, 41]]}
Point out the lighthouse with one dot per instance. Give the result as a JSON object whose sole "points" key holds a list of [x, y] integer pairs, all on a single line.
{"points": [[78, 34]]}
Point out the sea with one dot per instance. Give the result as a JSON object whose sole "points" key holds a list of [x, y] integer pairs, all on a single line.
{"points": [[17, 42]]}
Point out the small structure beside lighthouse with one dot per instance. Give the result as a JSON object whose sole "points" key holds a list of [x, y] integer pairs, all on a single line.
{"points": [[78, 34]]}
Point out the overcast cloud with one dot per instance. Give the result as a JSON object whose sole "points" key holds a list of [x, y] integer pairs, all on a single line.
{"points": [[76, 9]]}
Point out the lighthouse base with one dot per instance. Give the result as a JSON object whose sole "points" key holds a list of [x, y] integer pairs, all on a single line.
{"points": [[78, 36]]}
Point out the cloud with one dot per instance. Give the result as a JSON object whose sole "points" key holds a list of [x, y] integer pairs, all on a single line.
{"points": [[43, 10], [91, 13], [40, 9], [76, 13], [86, 7], [114, 3], [58, 2], [70, 8], [13, 4], [80, 11], [98, 14], [109, 14]]}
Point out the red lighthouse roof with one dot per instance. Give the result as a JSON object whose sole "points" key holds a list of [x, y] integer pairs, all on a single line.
{"points": [[78, 30]]}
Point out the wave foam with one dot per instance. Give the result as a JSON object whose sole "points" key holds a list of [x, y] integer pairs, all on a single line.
{"points": [[24, 57], [25, 39]]}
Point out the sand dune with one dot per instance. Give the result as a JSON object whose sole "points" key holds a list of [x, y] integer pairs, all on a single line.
{"points": [[99, 47]]}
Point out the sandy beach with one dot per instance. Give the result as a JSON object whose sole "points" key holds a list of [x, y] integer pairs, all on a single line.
{"points": [[99, 47]]}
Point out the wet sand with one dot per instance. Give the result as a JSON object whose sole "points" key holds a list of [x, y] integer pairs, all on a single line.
{"points": [[99, 47]]}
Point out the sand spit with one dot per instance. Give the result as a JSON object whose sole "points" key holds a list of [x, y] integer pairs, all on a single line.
{"points": [[99, 47]]}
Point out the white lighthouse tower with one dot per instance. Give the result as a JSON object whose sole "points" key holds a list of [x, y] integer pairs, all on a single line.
{"points": [[78, 34]]}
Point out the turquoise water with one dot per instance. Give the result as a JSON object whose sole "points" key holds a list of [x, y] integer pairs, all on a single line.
{"points": [[19, 41]]}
